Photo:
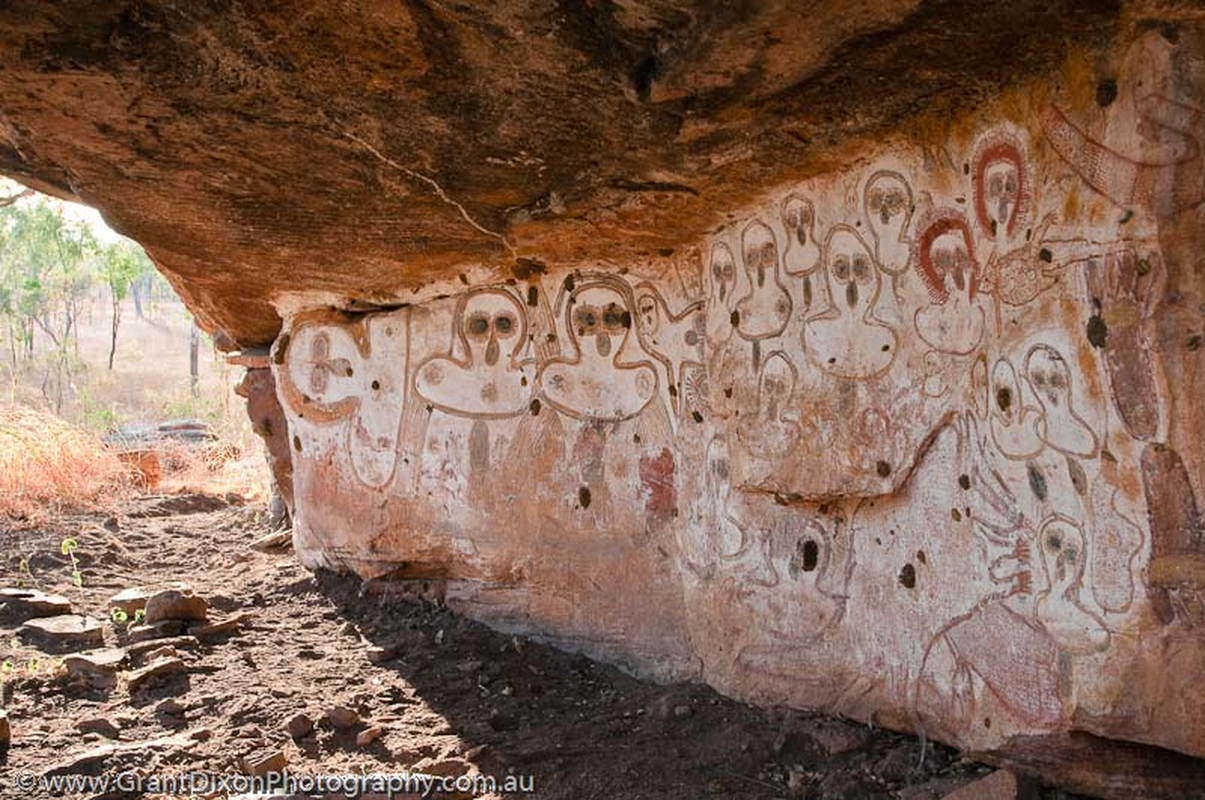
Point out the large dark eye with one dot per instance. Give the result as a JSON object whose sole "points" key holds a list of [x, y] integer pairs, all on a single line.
{"points": [[612, 317], [586, 318], [861, 268], [841, 268], [1054, 542], [876, 200], [717, 271], [504, 324], [479, 325], [729, 271], [769, 254]]}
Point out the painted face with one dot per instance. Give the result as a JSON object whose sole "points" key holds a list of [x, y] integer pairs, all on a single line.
{"points": [[1062, 553], [888, 201], [776, 386], [850, 269], [1002, 190], [1001, 184], [952, 262], [489, 321], [323, 367], [799, 218], [1006, 393], [600, 314], [760, 252], [1050, 376], [723, 270], [945, 258], [649, 314]]}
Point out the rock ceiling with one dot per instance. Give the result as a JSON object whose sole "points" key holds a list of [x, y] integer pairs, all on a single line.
{"points": [[353, 150]]}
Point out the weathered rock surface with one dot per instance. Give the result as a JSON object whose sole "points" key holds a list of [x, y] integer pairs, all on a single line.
{"points": [[64, 630], [264, 762], [96, 663], [131, 600], [158, 668], [175, 604], [458, 136], [101, 725], [32, 603], [903, 442], [674, 363]]}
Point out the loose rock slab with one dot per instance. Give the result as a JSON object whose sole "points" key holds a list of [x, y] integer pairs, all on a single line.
{"points": [[164, 666], [65, 630], [179, 604], [100, 725], [264, 762], [131, 600], [32, 603]]}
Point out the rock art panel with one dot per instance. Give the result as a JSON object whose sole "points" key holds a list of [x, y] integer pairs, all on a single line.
{"points": [[906, 443]]}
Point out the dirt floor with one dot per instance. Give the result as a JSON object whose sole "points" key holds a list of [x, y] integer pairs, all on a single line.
{"points": [[443, 695]]}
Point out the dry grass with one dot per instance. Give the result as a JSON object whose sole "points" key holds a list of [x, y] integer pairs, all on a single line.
{"points": [[218, 468], [49, 466]]}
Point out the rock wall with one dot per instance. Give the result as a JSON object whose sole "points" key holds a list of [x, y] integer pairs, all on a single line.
{"points": [[915, 441]]}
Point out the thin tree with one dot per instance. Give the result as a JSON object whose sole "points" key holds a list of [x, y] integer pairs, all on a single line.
{"points": [[122, 264]]}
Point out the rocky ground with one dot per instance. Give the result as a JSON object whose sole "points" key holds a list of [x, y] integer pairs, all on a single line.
{"points": [[321, 674]]}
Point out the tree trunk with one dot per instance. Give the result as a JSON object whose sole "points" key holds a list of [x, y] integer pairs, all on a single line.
{"points": [[194, 347], [116, 322]]}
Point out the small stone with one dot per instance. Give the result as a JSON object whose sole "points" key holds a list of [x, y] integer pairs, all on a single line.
{"points": [[170, 707], [369, 735], [178, 642], [264, 762], [834, 737], [276, 540], [65, 630], [167, 651], [474, 751], [32, 603], [665, 705], [175, 604], [230, 624], [378, 655], [6, 731], [99, 725], [131, 601], [682, 710], [157, 630], [156, 669], [299, 726], [999, 785], [94, 663], [342, 717]]}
